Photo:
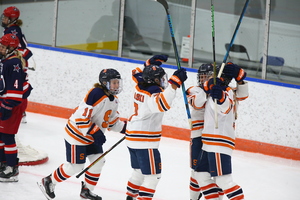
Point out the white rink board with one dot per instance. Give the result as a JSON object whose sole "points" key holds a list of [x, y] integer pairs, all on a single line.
{"points": [[271, 114]]}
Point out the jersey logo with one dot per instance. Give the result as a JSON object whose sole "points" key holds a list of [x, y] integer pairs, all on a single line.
{"points": [[16, 68], [14, 32]]}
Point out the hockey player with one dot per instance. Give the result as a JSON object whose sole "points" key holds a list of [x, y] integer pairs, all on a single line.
{"points": [[84, 135], [197, 98], [218, 143], [13, 101], [152, 98], [12, 24]]}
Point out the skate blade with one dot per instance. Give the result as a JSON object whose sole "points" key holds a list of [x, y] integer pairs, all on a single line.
{"points": [[24, 121], [43, 190], [11, 179]]}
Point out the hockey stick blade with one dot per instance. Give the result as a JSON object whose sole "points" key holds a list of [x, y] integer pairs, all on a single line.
{"points": [[164, 3], [31, 68]]}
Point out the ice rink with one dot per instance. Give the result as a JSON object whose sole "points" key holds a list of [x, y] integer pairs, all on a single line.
{"points": [[261, 177]]}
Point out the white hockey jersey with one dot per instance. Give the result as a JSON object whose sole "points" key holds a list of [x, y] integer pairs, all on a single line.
{"points": [[241, 93], [96, 108], [197, 99], [144, 127], [222, 139]]}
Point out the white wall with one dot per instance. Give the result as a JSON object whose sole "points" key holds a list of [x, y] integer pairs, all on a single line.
{"points": [[271, 114]]}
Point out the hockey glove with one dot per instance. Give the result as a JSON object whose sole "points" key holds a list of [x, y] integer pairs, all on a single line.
{"points": [[99, 137], [123, 131], [234, 71], [217, 93], [156, 60], [207, 85], [5, 110], [178, 77]]}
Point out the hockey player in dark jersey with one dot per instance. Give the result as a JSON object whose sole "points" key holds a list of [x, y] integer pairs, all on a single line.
{"points": [[12, 24], [84, 135], [14, 91]]}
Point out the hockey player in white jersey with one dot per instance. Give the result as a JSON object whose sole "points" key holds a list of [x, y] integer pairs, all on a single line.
{"points": [[152, 98], [84, 135], [213, 168], [197, 100]]}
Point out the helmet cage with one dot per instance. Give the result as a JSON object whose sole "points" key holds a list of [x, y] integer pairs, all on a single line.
{"points": [[114, 86], [204, 72], [164, 81]]}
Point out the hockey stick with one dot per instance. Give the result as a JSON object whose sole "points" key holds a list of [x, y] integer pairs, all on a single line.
{"points": [[106, 152], [213, 37], [233, 37], [33, 65], [214, 56], [165, 5]]}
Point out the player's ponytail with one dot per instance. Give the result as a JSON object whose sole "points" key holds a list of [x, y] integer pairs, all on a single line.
{"points": [[19, 22], [19, 55]]}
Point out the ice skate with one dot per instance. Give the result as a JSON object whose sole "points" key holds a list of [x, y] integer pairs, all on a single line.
{"points": [[2, 166], [24, 120], [10, 174], [87, 194], [130, 198], [199, 197], [47, 187]]}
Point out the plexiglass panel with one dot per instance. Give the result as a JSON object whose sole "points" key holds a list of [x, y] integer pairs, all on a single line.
{"points": [[248, 41], [94, 25], [146, 28], [90, 25], [284, 41], [248, 46], [37, 17]]}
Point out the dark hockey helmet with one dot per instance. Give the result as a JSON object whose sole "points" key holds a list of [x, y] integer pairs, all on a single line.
{"points": [[204, 72], [226, 79], [155, 74], [111, 79]]}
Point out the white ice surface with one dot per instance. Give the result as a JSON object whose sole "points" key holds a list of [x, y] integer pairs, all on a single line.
{"points": [[261, 177]]}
